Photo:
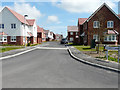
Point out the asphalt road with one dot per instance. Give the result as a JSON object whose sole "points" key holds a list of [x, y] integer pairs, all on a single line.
{"points": [[43, 68]]}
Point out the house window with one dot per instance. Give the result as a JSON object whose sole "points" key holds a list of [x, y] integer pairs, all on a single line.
{"points": [[95, 37], [3, 38], [110, 38], [105, 38], [76, 33], [13, 26], [71, 33], [110, 24], [71, 39], [23, 39], [13, 38], [96, 24], [2, 26]]}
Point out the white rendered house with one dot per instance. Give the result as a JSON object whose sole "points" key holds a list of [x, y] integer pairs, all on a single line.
{"points": [[15, 29]]}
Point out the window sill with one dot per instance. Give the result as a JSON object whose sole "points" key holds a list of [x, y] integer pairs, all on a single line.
{"points": [[3, 41], [95, 27], [13, 41]]}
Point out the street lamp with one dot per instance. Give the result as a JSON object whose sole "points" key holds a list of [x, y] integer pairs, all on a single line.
{"points": [[24, 29]]}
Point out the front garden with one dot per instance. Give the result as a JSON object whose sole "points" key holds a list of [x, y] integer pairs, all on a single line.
{"points": [[112, 55]]}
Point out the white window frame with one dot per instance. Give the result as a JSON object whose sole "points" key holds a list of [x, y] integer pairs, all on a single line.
{"points": [[95, 36], [3, 38], [23, 38], [71, 39], [111, 24], [96, 24], [71, 33], [105, 38], [13, 38], [112, 40], [76, 33]]}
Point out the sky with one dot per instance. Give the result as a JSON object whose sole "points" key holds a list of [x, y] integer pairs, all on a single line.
{"points": [[56, 15]]}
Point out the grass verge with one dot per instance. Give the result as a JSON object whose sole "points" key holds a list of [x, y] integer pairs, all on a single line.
{"points": [[9, 48]]}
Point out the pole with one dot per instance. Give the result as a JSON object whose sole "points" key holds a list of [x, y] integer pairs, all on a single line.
{"points": [[24, 32]]}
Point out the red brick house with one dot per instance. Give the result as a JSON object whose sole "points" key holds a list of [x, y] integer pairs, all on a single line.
{"points": [[59, 37], [80, 28], [103, 26], [72, 34], [39, 34]]}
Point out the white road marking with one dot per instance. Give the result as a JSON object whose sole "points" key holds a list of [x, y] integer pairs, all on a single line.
{"points": [[51, 48], [10, 56]]}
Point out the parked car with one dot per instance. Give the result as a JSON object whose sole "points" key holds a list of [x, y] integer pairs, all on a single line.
{"points": [[64, 41]]}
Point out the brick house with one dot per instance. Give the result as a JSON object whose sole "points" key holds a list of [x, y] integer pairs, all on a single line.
{"points": [[48, 35], [80, 29], [15, 29], [59, 37], [103, 25], [72, 34], [39, 34]]}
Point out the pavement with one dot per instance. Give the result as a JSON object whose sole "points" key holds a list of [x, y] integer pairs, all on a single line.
{"points": [[93, 61], [53, 68]]}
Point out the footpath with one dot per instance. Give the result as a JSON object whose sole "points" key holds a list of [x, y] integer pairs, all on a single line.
{"points": [[79, 56]]}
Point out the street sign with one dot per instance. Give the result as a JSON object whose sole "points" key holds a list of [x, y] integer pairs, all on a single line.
{"points": [[113, 48]]}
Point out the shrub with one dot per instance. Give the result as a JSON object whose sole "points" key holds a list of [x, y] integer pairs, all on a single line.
{"points": [[28, 44]]}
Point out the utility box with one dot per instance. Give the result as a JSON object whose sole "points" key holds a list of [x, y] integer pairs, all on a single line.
{"points": [[93, 43]]}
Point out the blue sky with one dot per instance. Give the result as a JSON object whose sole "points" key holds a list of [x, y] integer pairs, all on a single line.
{"points": [[56, 16]]}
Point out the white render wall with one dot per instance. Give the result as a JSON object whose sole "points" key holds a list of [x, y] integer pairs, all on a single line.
{"points": [[7, 18]]}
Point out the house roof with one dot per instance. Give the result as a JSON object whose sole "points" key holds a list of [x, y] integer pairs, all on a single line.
{"points": [[72, 29], [104, 4], [39, 29], [29, 33], [18, 16], [112, 32], [2, 33], [30, 21], [46, 31], [51, 32], [119, 15], [81, 20], [21, 17]]}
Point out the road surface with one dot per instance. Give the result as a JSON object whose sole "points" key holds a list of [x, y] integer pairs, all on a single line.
{"points": [[53, 68]]}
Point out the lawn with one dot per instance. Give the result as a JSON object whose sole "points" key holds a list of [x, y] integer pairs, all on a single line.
{"points": [[113, 55], [9, 48], [86, 48]]}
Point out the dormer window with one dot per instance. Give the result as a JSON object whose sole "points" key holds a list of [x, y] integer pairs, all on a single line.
{"points": [[110, 24], [96, 24]]}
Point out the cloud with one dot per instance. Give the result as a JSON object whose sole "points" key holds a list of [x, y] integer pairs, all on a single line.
{"points": [[25, 8], [53, 19], [84, 6]]}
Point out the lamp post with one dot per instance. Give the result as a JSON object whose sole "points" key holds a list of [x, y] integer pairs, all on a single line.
{"points": [[24, 29]]}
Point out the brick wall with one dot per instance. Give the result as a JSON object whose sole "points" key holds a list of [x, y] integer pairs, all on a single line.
{"points": [[108, 16], [19, 40]]}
